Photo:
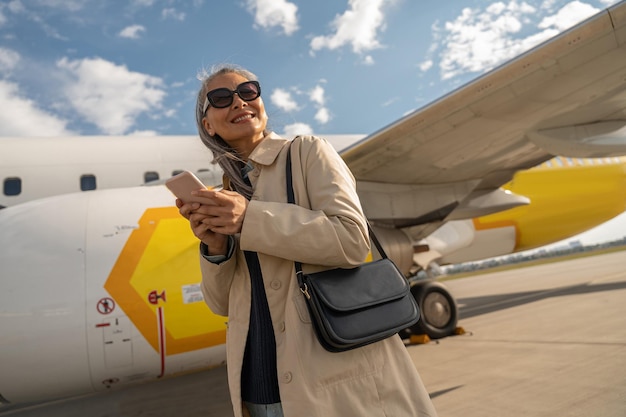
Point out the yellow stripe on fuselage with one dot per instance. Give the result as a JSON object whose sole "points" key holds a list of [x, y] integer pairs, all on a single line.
{"points": [[159, 268], [568, 196]]}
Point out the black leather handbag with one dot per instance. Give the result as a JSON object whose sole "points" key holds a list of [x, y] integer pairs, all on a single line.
{"points": [[354, 307]]}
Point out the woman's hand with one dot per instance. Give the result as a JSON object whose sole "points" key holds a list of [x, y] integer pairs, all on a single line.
{"points": [[223, 215]]}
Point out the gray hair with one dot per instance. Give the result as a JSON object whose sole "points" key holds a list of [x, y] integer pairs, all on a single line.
{"points": [[223, 154]]}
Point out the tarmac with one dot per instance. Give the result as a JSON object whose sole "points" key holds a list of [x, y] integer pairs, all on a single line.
{"points": [[545, 340]]}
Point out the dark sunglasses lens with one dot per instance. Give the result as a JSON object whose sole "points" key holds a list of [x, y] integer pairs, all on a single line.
{"points": [[222, 97], [248, 91]]}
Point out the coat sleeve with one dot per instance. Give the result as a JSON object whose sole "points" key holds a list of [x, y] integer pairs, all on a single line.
{"points": [[328, 229], [216, 282]]}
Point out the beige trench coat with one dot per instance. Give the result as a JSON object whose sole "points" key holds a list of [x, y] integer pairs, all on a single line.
{"points": [[326, 229]]}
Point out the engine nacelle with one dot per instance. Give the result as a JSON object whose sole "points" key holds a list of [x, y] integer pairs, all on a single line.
{"points": [[398, 246]]}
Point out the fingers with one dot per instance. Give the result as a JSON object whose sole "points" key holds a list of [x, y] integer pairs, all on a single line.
{"points": [[224, 213], [196, 220], [220, 197], [210, 196], [200, 230], [226, 225], [185, 210]]}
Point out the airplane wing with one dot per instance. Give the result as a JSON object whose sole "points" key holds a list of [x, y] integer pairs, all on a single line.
{"points": [[447, 160]]}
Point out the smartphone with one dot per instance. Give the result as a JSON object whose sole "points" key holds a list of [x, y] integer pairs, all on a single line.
{"points": [[181, 185]]}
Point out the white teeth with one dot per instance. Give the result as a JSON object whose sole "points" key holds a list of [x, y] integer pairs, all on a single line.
{"points": [[240, 118]]}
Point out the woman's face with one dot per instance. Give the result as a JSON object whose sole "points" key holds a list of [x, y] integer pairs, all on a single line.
{"points": [[242, 124]]}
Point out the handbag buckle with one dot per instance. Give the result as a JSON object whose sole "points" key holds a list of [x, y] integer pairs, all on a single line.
{"points": [[305, 291]]}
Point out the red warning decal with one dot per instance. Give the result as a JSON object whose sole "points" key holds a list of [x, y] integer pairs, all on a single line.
{"points": [[154, 297], [106, 305]]}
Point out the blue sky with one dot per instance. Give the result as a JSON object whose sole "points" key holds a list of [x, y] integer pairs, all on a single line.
{"points": [[90, 67]]}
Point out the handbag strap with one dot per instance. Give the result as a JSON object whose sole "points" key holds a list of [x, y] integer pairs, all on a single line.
{"points": [[291, 199]]}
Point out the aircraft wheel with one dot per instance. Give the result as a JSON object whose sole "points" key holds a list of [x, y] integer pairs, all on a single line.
{"points": [[438, 310]]}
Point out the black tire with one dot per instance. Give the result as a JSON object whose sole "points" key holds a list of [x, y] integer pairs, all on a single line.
{"points": [[438, 311]]}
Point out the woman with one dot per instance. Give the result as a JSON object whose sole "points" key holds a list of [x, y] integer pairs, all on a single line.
{"points": [[250, 238]]}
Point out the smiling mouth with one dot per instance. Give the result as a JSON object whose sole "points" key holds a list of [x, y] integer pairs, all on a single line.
{"points": [[242, 118]]}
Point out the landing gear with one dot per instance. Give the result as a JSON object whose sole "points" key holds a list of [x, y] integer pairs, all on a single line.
{"points": [[438, 311]]}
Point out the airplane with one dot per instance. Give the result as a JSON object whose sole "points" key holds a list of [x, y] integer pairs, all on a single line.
{"points": [[100, 289], [37, 167]]}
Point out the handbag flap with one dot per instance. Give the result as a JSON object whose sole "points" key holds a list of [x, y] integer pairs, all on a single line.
{"points": [[366, 285]]}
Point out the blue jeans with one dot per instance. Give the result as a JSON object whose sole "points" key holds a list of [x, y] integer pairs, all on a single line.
{"points": [[264, 410]]}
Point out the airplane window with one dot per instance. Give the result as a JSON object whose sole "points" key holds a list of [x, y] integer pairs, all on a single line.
{"points": [[87, 182], [176, 172], [150, 176], [12, 186]]}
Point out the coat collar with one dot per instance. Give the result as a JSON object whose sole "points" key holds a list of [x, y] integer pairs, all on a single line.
{"points": [[266, 152]]}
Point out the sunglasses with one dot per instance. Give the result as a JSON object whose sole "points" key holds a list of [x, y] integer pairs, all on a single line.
{"points": [[223, 97]]}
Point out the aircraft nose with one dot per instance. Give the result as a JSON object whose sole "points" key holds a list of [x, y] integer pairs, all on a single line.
{"points": [[42, 291]]}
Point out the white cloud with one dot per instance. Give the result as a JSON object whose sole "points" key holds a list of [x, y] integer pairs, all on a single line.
{"points": [[8, 60], [426, 65], [478, 40], [33, 13], [317, 95], [109, 95], [171, 13], [322, 116], [548, 4], [271, 13], [390, 101], [16, 6], [70, 5], [24, 117], [357, 27], [297, 129], [283, 100], [568, 16], [143, 133], [132, 32], [143, 3]]}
